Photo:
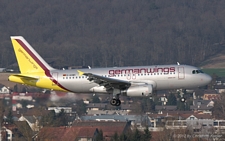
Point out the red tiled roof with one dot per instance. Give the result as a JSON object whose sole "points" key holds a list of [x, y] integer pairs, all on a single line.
{"points": [[65, 133], [87, 131], [108, 128], [35, 112]]}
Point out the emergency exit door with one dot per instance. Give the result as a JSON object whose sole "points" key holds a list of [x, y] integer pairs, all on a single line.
{"points": [[181, 73]]}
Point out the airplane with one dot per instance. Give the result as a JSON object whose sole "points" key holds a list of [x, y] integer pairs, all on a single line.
{"points": [[130, 81]]}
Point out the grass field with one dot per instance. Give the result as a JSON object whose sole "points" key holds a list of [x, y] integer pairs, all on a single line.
{"points": [[219, 72]]}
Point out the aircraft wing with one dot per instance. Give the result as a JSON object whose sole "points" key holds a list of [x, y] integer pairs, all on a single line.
{"points": [[108, 83]]}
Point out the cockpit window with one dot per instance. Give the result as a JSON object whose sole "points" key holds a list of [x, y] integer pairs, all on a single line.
{"points": [[197, 71], [193, 72], [200, 71]]}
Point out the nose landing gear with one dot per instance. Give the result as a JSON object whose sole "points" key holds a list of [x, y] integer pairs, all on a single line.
{"points": [[182, 92], [182, 99]]}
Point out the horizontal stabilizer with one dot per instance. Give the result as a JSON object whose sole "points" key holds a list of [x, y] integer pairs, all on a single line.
{"points": [[26, 76]]}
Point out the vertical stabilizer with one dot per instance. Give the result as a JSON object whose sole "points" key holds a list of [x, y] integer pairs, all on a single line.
{"points": [[28, 59]]}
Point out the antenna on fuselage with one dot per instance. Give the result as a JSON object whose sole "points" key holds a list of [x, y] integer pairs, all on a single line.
{"points": [[178, 63]]}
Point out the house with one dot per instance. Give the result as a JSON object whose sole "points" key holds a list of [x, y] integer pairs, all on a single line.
{"points": [[137, 121], [211, 95], [32, 121], [4, 89], [96, 106], [31, 116], [219, 88], [7, 133], [2, 69], [158, 121], [165, 108], [67, 110], [205, 106], [19, 130], [21, 96], [67, 134], [57, 110], [197, 126], [106, 108]]}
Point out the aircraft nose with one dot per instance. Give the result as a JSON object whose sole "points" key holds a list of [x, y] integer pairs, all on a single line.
{"points": [[208, 79]]}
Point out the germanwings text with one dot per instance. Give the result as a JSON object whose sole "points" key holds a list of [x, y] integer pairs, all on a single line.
{"points": [[142, 70]]}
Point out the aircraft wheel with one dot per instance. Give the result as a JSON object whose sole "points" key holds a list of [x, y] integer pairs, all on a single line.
{"points": [[118, 102], [182, 99], [113, 102]]}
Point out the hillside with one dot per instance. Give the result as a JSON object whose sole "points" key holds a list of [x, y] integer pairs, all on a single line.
{"points": [[216, 61], [114, 32], [4, 80]]}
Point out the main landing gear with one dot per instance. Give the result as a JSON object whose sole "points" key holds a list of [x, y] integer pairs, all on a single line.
{"points": [[115, 102]]}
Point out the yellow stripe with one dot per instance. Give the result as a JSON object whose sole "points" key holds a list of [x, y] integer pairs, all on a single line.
{"points": [[80, 72]]}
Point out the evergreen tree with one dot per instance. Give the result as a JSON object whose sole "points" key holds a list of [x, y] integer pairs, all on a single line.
{"points": [[48, 120], [147, 135], [181, 106], [99, 137], [96, 99], [24, 103], [115, 137], [81, 107], [10, 117], [61, 119], [147, 105], [136, 136], [172, 100], [15, 88], [123, 137]]}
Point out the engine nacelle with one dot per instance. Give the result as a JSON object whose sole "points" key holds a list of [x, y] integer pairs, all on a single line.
{"points": [[98, 89], [140, 90]]}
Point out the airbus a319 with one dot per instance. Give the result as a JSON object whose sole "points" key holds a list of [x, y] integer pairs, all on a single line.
{"points": [[130, 81]]}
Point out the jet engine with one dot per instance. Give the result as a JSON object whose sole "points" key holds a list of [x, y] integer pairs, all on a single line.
{"points": [[139, 90]]}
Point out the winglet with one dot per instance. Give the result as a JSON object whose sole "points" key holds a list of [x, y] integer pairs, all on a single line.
{"points": [[80, 72]]}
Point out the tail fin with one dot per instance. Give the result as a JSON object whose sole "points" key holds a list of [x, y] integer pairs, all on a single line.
{"points": [[28, 59]]}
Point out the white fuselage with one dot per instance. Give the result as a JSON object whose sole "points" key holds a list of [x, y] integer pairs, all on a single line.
{"points": [[162, 77]]}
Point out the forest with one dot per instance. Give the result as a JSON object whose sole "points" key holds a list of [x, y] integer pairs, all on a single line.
{"points": [[115, 32]]}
